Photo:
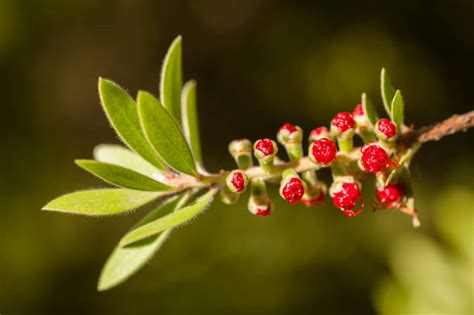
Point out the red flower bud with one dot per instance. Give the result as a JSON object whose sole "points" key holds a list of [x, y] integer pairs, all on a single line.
{"points": [[319, 132], [236, 181], [288, 127], [265, 146], [358, 111], [314, 198], [261, 206], [292, 190], [323, 151], [374, 159], [264, 211], [390, 196], [346, 197], [386, 129], [289, 133], [343, 121]]}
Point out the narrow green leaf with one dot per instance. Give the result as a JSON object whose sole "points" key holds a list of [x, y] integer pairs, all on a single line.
{"points": [[126, 261], [122, 177], [119, 155], [369, 111], [165, 135], [171, 79], [387, 91], [398, 110], [171, 220], [190, 119], [121, 111], [100, 202]]}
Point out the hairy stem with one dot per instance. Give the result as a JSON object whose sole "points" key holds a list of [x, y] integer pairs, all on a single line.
{"points": [[452, 125]]}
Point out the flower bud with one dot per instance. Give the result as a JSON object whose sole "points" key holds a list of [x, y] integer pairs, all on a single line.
{"points": [[322, 151], [259, 206], [289, 133], [259, 202], [390, 196], [346, 195], [290, 136], [265, 150], [374, 159], [241, 151], [386, 130], [359, 116], [236, 181], [342, 124], [291, 186], [313, 195], [228, 197], [318, 133]]}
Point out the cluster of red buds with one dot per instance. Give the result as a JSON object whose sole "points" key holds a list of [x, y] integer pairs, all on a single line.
{"points": [[331, 148]]}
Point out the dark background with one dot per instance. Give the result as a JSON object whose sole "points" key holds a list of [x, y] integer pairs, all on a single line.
{"points": [[259, 63]]}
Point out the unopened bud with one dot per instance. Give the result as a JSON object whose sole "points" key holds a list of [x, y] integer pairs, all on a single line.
{"points": [[374, 159], [241, 151], [342, 127], [346, 195], [322, 151], [265, 151], [390, 196], [386, 130], [259, 201], [236, 181], [318, 133], [292, 187], [289, 133]]}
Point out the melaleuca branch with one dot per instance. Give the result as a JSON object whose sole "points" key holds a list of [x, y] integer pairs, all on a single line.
{"points": [[161, 160]]}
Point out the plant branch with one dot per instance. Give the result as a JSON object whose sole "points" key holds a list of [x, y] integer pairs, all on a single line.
{"points": [[453, 124]]}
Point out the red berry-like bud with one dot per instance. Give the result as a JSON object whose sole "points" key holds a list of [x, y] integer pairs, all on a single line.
{"points": [[386, 129], [292, 190], [264, 211], [289, 133], [261, 206], [318, 133], [313, 196], [265, 147], [236, 181], [346, 197], [374, 159], [288, 127], [323, 151], [343, 121], [358, 111], [390, 196]]}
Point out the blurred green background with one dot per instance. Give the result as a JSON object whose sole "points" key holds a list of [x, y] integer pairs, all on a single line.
{"points": [[259, 63]]}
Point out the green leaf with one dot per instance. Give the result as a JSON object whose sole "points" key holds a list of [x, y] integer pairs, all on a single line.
{"points": [[119, 155], [369, 111], [171, 220], [171, 79], [387, 91], [190, 119], [165, 135], [100, 202], [397, 110], [121, 111], [122, 177], [126, 261]]}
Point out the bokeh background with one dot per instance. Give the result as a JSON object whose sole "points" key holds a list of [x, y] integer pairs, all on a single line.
{"points": [[259, 63]]}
